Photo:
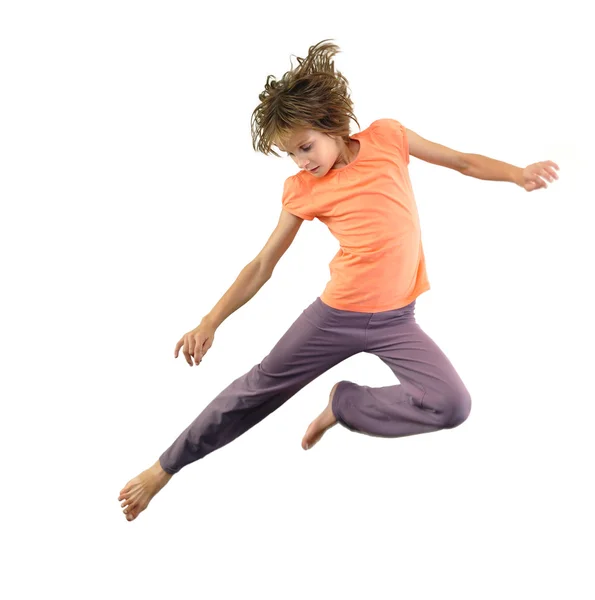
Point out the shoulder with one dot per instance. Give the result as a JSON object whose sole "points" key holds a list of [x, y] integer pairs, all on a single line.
{"points": [[293, 185], [296, 199], [294, 190], [392, 135], [388, 126]]}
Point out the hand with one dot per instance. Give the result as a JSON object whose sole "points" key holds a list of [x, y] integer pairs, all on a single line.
{"points": [[196, 342], [533, 176]]}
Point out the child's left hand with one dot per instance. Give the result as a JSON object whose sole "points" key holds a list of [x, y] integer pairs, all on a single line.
{"points": [[533, 176]]}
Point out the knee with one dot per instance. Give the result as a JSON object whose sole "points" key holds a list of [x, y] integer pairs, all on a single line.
{"points": [[460, 408]]}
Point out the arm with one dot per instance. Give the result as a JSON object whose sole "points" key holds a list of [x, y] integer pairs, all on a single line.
{"points": [[251, 278], [257, 272], [481, 167], [530, 178]]}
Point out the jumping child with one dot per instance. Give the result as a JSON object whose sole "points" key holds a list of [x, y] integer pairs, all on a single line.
{"points": [[359, 187]]}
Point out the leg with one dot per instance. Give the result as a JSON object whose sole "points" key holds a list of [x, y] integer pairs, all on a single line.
{"points": [[430, 397], [310, 347], [305, 351]]}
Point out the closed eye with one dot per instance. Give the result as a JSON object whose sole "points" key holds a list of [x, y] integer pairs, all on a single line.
{"points": [[304, 148]]}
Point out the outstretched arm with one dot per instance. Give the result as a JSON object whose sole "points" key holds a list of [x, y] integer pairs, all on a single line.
{"points": [[482, 167], [530, 178]]}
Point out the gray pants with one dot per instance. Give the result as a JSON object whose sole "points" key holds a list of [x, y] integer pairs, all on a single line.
{"points": [[430, 396]]}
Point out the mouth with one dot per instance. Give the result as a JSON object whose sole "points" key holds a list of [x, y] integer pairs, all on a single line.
{"points": [[313, 170]]}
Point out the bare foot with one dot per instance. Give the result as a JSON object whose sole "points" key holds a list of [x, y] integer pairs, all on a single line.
{"points": [[325, 420], [138, 492]]}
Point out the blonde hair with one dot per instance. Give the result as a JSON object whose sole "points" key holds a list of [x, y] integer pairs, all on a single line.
{"points": [[311, 96]]}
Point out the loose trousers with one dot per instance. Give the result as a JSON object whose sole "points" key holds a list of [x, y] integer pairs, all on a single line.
{"points": [[429, 397]]}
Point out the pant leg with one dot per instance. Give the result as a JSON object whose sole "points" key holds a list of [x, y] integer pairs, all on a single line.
{"points": [[430, 397], [314, 343]]}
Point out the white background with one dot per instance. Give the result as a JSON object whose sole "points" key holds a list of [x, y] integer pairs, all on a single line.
{"points": [[131, 200]]}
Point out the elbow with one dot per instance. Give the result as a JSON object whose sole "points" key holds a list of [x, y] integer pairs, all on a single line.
{"points": [[264, 268]]}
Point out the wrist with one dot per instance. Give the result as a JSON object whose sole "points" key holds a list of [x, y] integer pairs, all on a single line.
{"points": [[210, 321]]}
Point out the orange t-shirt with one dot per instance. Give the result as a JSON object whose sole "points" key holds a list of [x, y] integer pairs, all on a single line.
{"points": [[369, 207]]}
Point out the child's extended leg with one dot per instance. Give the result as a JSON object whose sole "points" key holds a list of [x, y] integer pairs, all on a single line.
{"points": [[311, 346]]}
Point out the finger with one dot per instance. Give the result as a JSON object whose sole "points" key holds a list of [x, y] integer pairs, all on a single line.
{"points": [[187, 355], [198, 353], [188, 345], [178, 346], [553, 174]]}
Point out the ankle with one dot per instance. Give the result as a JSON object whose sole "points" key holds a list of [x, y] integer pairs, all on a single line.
{"points": [[160, 473]]}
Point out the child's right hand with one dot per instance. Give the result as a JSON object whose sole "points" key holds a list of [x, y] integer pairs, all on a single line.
{"points": [[196, 342]]}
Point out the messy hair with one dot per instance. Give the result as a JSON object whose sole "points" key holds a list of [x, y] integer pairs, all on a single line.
{"points": [[310, 96]]}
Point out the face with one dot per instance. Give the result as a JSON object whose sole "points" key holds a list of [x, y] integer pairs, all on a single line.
{"points": [[312, 149]]}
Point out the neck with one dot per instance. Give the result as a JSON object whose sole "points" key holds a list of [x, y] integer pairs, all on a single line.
{"points": [[345, 153]]}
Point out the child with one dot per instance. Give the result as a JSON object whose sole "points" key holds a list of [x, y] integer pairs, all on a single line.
{"points": [[359, 187]]}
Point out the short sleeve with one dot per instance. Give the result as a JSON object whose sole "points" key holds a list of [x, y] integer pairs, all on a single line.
{"points": [[395, 134], [295, 199]]}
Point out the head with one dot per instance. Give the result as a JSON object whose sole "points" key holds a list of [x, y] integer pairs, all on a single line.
{"points": [[306, 114]]}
